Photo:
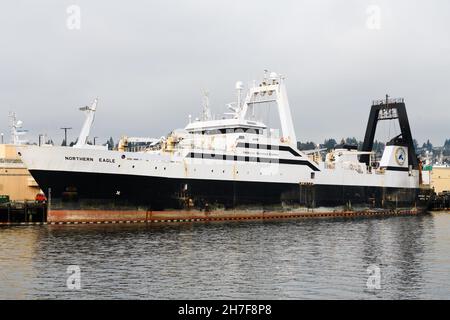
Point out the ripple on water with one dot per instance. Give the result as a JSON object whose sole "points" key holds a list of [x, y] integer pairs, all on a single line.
{"points": [[320, 259]]}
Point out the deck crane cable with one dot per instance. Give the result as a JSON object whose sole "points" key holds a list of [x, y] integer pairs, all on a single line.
{"points": [[386, 134], [389, 126], [267, 120], [395, 128]]}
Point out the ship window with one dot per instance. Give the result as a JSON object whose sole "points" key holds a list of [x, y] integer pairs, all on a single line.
{"points": [[213, 131], [227, 130], [313, 174]]}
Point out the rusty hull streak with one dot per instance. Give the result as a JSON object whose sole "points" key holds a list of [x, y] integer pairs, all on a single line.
{"points": [[107, 216]]}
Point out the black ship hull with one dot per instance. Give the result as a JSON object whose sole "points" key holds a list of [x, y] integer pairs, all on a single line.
{"points": [[93, 191]]}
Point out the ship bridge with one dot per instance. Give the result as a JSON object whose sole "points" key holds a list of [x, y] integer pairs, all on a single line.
{"points": [[225, 126], [242, 119]]}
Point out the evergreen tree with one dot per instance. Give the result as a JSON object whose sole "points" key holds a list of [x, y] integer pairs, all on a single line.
{"points": [[446, 151], [378, 147], [428, 146], [329, 143], [309, 145], [110, 143], [447, 144], [351, 141]]}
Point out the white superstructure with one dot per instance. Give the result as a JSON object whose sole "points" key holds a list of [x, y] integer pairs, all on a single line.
{"points": [[236, 148]]}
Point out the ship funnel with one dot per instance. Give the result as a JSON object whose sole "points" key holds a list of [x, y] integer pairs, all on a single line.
{"points": [[395, 158]]}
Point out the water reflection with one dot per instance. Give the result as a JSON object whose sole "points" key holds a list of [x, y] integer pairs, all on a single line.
{"points": [[276, 259]]}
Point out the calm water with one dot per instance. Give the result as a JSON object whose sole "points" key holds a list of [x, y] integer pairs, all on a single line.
{"points": [[238, 260]]}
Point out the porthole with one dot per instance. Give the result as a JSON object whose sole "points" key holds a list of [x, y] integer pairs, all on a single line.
{"points": [[123, 156]]}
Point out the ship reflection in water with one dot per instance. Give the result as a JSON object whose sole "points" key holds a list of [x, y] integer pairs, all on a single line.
{"points": [[256, 260]]}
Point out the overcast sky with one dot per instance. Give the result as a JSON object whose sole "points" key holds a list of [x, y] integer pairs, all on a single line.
{"points": [[148, 62]]}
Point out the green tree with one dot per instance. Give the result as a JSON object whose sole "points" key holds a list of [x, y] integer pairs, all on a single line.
{"points": [[447, 144], [351, 141], [329, 143], [428, 145], [309, 145], [110, 143]]}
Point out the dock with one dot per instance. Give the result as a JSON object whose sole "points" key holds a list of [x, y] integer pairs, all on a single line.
{"points": [[441, 202], [23, 212]]}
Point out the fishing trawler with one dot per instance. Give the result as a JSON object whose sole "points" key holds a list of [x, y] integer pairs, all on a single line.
{"points": [[234, 167]]}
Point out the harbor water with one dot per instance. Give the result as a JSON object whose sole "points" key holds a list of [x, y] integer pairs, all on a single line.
{"points": [[289, 259]]}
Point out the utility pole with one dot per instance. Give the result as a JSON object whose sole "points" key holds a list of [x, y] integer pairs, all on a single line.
{"points": [[65, 134], [40, 136]]}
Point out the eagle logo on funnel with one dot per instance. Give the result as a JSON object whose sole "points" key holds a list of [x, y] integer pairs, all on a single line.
{"points": [[400, 156]]}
